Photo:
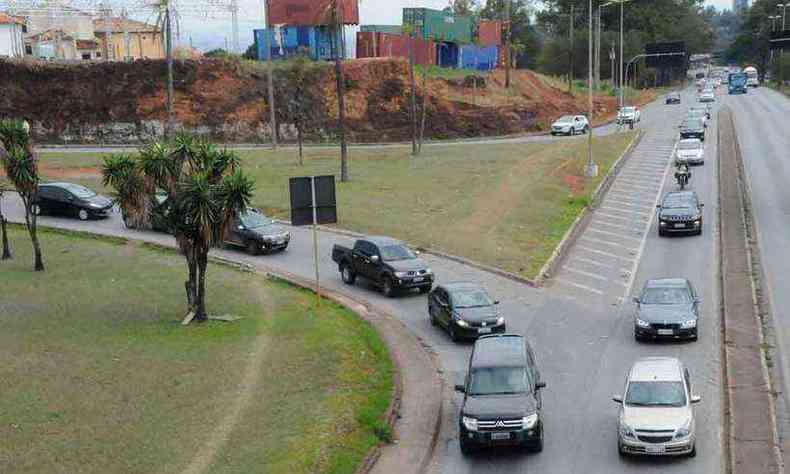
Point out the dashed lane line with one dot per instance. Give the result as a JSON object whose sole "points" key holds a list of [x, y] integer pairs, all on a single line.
{"points": [[614, 234], [599, 212], [618, 226], [604, 253], [627, 211], [606, 242], [579, 285], [587, 274], [624, 203]]}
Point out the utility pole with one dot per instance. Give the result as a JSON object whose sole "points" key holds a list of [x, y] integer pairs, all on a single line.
{"points": [[270, 74], [622, 89], [592, 168], [508, 39], [612, 58], [597, 61], [169, 52], [234, 19], [340, 84], [570, 53], [413, 101]]}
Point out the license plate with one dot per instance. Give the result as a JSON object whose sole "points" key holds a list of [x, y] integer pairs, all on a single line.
{"points": [[654, 449], [418, 279], [680, 226], [499, 436], [665, 332], [484, 330]]}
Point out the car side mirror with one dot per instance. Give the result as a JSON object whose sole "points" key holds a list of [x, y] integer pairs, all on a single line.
{"points": [[374, 258], [696, 399], [540, 385], [658, 206], [460, 388], [241, 227], [617, 398], [698, 300], [417, 252], [701, 205], [496, 301], [636, 300]]}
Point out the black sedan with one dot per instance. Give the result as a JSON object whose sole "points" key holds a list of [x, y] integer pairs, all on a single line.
{"points": [[667, 308], [465, 310], [67, 199], [673, 98], [680, 212], [692, 128], [256, 233]]}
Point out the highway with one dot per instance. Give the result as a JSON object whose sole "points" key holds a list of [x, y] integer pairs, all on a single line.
{"points": [[760, 120], [584, 341]]}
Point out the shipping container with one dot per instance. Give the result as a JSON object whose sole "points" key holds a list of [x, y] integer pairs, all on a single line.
{"points": [[482, 58], [311, 12], [489, 33], [323, 48], [397, 46], [389, 29], [288, 41], [367, 46], [447, 54], [438, 26]]}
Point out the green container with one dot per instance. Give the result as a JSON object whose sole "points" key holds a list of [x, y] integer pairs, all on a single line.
{"points": [[388, 29], [437, 25]]}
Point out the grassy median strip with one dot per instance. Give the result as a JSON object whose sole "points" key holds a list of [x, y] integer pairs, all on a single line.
{"points": [[99, 376], [506, 205]]}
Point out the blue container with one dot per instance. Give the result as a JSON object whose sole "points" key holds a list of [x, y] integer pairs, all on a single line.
{"points": [[321, 49], [447, 54], [476, 57]]}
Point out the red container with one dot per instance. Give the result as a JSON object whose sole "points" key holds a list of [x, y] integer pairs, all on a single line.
{"points": [[367, 45], [489, 33], [397, 46], [311, 12]]}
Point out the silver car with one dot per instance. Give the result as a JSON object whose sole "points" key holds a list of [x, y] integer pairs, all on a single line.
{"points": [[570, 125], [707, 96], [690, 151], [656, 417]]}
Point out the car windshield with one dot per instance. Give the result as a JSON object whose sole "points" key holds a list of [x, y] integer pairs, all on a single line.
{"points": [[565, 118], [254, 220], [396, 252], [80, 191], [676, 202], [666, 295], [693, 123], [628, 110], [659, 394], [470, 298], [498, 381], [689, 145]]}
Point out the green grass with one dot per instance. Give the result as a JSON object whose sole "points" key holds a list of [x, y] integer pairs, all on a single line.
{"points": [[99, 376], [437, 72], [506, 205]]}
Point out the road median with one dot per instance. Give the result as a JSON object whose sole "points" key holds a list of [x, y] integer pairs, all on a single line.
{"points": [[749, 404]]}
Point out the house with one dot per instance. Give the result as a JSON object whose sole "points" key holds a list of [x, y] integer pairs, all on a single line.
{"points": [[12, 31], [128, 39], [77, 23], [52, 44]]}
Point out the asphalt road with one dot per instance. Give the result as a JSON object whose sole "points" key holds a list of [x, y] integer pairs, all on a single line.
{"points": [[760, 121], [584, 343]]}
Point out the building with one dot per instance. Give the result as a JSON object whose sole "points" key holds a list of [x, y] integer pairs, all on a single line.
{"points": [[52, 44], [78, 24], [12, 30], [128, 39]]}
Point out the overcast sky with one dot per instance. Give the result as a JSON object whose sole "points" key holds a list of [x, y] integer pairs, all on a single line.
{"points": [[208, 34]]}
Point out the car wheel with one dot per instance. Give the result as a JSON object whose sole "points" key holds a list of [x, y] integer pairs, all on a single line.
{"points": [[466, 449], [637, 337], [623, 453], [387, 288], [253, 248], [36, 209], [693, 452], [82, 214], [585, 130], [696, 335], [431, 317], [425, 289], [453, 333], [348, 275], [538, 447]]}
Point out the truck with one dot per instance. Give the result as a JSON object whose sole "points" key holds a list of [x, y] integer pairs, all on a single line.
{"points": [[753, 78], [387, 263], [736, 83]]}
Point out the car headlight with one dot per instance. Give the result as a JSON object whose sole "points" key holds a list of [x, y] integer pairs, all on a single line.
{"points": [[401, 274], [500, 321], [642, 324], [462, 323], [469, 423], [626, 431], [428, 271], [530, 421], [662, 223], [684, 431], [691, 323], [95, 206]]}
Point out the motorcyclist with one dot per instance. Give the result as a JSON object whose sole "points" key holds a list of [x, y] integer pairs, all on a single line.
{"points": [[682, 173]]}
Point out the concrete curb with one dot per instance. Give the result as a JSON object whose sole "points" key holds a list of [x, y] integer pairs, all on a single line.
{"points": [[750, 414], [401, 344], [581, 221]]}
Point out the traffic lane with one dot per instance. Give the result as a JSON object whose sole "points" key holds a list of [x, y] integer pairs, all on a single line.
{"points": [[765, 153]]}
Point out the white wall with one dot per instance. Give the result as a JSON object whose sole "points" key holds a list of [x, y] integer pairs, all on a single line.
{"points": [[11, 42]]}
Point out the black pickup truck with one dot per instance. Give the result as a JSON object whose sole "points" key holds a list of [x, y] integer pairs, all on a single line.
{"points": [[386, 262]]}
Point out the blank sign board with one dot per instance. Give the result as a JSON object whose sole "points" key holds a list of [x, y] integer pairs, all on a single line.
{"points": [[302, 200]]}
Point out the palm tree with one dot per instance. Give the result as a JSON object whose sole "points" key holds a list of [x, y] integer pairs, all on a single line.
{"points": [[6, 246], [206, 190], [21, 167]]}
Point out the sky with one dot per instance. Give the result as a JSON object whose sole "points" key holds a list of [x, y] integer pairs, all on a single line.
{"points": [[213, 33]]}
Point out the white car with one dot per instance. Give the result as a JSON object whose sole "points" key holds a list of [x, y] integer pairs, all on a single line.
{"points": [[656, 417], [570, 125], [690, 151], [707, 96], [628, 115]]}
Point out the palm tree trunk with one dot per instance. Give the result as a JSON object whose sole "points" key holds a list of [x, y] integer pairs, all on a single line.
{"points": [[299, 139], [30, 223], [6, 246], [200, 314], [191, 284]]}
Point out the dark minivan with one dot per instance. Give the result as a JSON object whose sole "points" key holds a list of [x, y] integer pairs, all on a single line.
{"points": [[502, 401], [67, 199]]}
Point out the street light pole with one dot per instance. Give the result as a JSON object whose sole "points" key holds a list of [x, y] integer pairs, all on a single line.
{"points": [[622, 90], [592, 168]]}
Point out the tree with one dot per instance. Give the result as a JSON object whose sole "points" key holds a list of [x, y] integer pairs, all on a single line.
{"points": [[338, 46], [6, 245], [251, 53], [206, 190], [20, 162], [217, 53], [303, 102], [521, 29], [464, 7]]}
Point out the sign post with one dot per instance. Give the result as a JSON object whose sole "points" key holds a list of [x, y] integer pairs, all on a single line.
{"points": [[313, 202]]}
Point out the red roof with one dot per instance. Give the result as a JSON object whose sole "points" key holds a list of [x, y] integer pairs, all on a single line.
{"points": [[10, 20], [311, 12]]}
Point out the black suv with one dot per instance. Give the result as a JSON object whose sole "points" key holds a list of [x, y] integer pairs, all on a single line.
{"points": [[67, 199], [502, 401], [680, 212], [673, 98], [667, 308], [465, 310]]}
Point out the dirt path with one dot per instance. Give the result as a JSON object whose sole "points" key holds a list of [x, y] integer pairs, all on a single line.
{"points": [[205, 457]]}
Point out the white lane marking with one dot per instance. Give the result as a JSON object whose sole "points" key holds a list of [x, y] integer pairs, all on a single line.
{"points": [[604, 253], [630, 204], [614, 234], [612, 216], [578, 285], [606, 242], [587, 274], [641, 249], [626, 211], [638, 177], [609, 224], [592, 262]]}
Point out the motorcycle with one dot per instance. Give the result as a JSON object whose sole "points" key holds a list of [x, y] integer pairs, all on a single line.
{"points": [[682, 177]]}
